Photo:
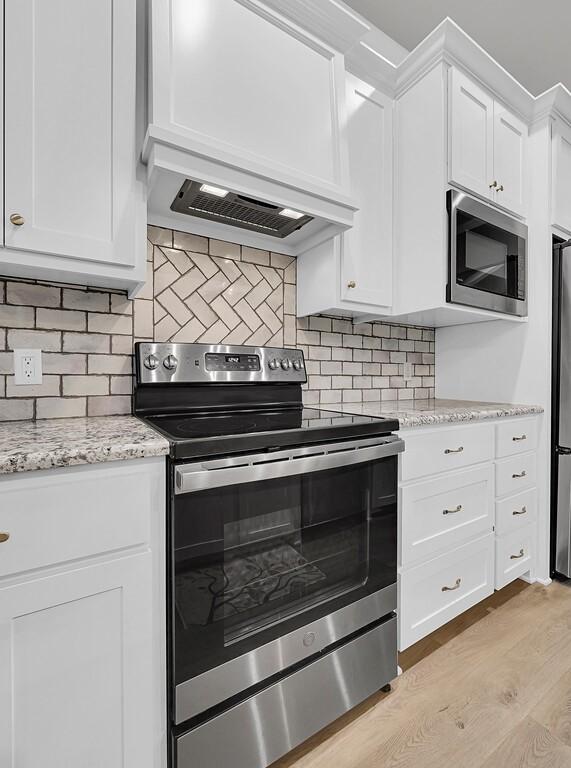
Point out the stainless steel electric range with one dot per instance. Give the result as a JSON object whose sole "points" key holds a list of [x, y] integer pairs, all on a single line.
{"points": [[282, 549]]}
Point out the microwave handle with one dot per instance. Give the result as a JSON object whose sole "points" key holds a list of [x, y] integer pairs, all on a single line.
{"points": [[190, 478]]}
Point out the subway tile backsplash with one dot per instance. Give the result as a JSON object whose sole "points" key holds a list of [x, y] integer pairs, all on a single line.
{"points": [[197, 289]]}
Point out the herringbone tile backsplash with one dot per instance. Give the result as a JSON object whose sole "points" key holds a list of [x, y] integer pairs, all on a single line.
{"points": [[197, 289]]}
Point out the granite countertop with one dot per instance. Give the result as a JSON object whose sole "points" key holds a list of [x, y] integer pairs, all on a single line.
{"points": [[32, 445], [417, 413]]}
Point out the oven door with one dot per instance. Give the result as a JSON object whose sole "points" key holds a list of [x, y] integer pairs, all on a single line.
{"points": [[276, 557], [487, 257]]}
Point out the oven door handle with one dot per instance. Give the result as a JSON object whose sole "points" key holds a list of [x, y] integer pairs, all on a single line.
{"points": [[192, 477]]}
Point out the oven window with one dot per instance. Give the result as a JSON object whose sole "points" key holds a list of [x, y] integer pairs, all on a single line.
{"points": [[488, 258], [256, 560]]}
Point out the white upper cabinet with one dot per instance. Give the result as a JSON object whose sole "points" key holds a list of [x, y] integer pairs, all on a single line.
{"points": [[72, 199], [487, 145], [561, 195], [510, 141], [471, 135], [353, 274], [367, 249], [245, 99]]}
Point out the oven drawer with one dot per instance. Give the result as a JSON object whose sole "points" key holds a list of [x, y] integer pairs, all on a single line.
{"points": [[513, 555], [516, 473], [442, 513], [269, 724], [435, 592], [446, 448], [516, 436], [515, 512]]}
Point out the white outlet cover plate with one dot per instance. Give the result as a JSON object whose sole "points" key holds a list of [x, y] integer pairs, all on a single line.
{"points": [[27, 367]]}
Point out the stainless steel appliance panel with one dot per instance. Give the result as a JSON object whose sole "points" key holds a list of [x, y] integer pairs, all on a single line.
{"points": [[297, 461], [204, 691], [269, 724], [563, 529], [565, 352]]}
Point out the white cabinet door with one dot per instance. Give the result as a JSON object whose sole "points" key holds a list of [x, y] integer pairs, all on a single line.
{"points": [[70, 128], [561, 212], [471, 135], [75, 668], [366, 249], [510, 138]]}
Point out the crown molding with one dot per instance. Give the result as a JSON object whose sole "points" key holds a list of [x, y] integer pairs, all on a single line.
{"points": [[448, 42], [330, 21], [554, 102]]}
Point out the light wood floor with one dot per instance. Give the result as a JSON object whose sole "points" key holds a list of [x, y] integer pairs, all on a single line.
{"points": [[491, 689]]}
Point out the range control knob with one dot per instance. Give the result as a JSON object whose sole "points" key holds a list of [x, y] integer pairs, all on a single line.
{"points": [[297, 364], [286, 363], [273, 364], [151, 362], [170, 362]]}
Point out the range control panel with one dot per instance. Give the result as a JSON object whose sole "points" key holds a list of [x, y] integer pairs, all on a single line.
{"points": [[162, 363]]}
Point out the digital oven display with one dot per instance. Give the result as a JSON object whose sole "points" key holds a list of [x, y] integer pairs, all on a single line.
{"points": [[220, 362]]}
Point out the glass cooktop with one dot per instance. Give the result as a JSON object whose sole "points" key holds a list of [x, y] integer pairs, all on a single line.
{"points": [[230, 431]]}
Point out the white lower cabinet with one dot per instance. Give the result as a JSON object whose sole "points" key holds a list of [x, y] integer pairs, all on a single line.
{"points": [[436, 591], [82, 628], [513, 555], [467, 511], [75, 648]]}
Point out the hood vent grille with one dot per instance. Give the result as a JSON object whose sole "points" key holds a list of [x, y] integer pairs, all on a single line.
{"points": [[236, 211]]}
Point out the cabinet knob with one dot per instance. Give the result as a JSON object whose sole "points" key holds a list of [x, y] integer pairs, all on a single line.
{"points": [[17, 219], [501, 188], [493, 185], [351, 284], [4, 537]]}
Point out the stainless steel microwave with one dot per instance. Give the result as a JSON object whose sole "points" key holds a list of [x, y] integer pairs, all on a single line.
{"points": [[487, 253]]}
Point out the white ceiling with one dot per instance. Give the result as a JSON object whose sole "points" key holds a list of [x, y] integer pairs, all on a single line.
{"points": [[530, 38]]}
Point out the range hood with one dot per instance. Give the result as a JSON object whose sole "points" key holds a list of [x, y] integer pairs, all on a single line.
{"points": [[244, 101], [224, 207]]}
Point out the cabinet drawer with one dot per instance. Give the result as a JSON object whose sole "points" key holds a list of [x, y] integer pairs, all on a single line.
{"points": [[515, 512], [435, 592], [61, 515], [516, 473], [513, 555], [518, 436], [428, 453], [442, 513]]}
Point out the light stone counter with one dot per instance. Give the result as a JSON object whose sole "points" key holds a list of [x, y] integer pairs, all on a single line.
{"points": [[32, 445], [417, 413]]}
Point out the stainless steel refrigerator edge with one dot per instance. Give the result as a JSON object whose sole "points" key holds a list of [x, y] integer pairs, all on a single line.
{"points": [[561, 427]]}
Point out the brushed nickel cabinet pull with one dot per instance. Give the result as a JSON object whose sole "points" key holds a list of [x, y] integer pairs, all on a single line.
{"points": [[521, 511], [518, 439], [493, 185], [451, 589], [517, 475], [17, 219], [454, 450], [501, 188], [4, 537], [517, 557], [452, 511], [351, 284]]}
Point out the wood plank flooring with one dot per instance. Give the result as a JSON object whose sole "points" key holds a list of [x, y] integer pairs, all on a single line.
{"points": [[491, 689]]}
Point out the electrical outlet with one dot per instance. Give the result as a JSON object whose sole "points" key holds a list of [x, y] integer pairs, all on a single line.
{"points": [[408, 373], [27, 366]]}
